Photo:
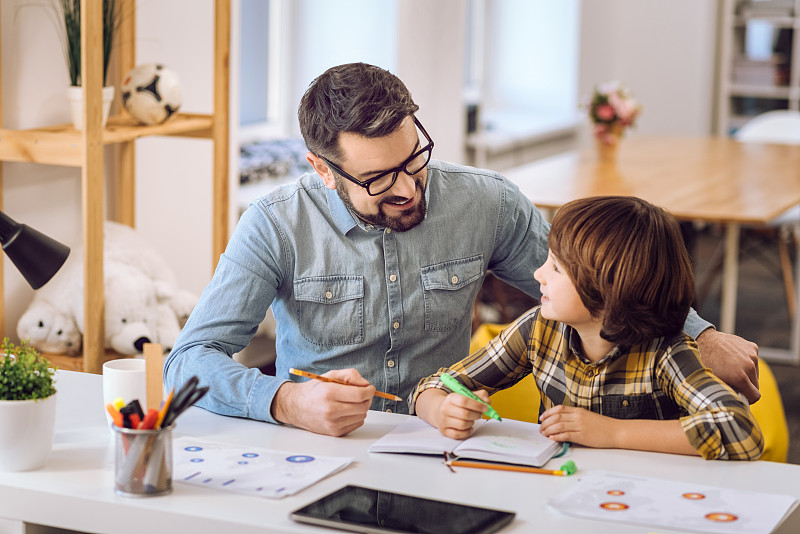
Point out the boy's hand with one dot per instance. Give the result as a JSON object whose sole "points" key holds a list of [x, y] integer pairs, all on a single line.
{"points": [[453, 414], [578, 425]]}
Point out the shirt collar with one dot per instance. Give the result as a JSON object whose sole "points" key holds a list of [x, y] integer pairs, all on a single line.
{"points": [[574, 342], [342, 217]]}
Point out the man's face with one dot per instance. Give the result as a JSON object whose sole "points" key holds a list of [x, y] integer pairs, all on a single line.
{"points": [[402, 207]]}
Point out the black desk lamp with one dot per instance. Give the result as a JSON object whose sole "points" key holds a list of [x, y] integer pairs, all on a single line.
{"points": [[37, 256]]}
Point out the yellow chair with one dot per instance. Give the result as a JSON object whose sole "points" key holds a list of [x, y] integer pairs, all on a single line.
{"points": [[522, 401]]}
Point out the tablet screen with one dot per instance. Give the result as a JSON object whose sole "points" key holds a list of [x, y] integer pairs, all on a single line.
{"points": [[359, 509]]}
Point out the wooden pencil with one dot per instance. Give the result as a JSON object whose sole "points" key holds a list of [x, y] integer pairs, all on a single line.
{"points": [[505, 467], [313, 376]]}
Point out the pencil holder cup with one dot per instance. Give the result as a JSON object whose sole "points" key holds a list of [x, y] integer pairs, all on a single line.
{"points": [[143, 461]]}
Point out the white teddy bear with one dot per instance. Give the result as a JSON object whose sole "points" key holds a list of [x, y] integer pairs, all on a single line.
{"points": [[142, 302]]}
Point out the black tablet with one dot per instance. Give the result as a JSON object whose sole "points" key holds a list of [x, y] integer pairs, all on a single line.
{"points": [[359, 509]]}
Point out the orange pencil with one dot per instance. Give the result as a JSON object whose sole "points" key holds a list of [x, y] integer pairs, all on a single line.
{"points": [[164, 409], [567, 469], [306, 374]]}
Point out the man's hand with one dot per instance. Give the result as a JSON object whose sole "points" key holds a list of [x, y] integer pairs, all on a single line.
{"points": [[733, 359], [323, 407]]}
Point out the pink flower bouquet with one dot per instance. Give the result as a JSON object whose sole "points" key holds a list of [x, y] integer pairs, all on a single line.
{"points": [[612, 109]]}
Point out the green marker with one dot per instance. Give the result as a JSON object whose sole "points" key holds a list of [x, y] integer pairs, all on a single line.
{"points": [[459, 388]]}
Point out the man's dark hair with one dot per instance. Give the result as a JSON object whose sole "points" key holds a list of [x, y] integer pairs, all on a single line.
{"points": [[357, 98], [627, 260]]}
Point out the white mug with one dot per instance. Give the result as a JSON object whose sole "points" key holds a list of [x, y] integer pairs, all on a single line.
{"points": [[125, 378]]}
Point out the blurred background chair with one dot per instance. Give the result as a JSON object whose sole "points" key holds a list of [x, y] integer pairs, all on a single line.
{"points": [[779, 127]]}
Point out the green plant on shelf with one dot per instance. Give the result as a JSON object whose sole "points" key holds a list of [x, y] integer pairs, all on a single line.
{"points": [[70, 23], [24, 374]]}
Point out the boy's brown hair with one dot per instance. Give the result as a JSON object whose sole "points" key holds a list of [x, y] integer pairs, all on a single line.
{"points": [[627, 260]]}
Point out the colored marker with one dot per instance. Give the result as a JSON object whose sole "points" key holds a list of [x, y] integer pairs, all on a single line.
{"points": [[461, 389]]}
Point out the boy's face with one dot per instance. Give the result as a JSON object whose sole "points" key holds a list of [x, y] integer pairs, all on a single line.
{"points": [[560, 300]]}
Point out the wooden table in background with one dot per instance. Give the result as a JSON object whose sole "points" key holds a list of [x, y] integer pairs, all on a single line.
{"points": [[710, 179]]}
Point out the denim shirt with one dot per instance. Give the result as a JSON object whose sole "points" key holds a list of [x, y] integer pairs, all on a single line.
{"points": [[396, 306]]}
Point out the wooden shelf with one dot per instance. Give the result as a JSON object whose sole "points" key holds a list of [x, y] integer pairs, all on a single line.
{"points": [[733, 46], [75, 363], [63, 145]]}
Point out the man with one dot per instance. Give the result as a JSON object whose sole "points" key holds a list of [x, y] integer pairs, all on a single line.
{"points": [[371, 265]]}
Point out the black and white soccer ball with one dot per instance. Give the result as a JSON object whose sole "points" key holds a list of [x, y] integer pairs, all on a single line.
{"points": [[151, 93]]}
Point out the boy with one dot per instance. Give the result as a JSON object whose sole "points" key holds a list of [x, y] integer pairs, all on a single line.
{"points": [[605, 346]]}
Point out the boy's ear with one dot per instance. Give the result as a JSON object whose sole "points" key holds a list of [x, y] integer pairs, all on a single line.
{"points": [[322, 169]]}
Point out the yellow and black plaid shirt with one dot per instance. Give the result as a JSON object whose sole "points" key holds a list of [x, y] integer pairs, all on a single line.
{"points": [[664, 379]]}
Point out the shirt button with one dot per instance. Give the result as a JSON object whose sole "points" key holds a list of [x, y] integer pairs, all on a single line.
{"points": [[388, 410], [392, 278], [328, 295], [388, 230], [390, 363], [454, 279], [396, 325]]}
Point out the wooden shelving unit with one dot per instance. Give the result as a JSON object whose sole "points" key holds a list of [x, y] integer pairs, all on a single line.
{"points": [[63, 145], [748, 87]]}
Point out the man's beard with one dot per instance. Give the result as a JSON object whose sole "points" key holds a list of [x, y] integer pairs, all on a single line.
{"points": [[402, 223]]}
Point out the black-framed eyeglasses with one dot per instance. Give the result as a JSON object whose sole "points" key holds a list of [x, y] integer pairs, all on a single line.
{"points": [[384, 181]]}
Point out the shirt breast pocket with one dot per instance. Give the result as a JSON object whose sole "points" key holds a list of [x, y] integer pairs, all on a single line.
{"points": [[449, 289], [330, 309]]}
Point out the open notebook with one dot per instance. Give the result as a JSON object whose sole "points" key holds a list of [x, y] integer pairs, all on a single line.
{"points": [[508, 441]]}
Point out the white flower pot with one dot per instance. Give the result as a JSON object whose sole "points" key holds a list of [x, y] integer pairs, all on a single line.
{"points": [[75, 96], [26, 433]]}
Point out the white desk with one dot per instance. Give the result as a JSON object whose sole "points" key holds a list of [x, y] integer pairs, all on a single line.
{"points": [[76, 489]]}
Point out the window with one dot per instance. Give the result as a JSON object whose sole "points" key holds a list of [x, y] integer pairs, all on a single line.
{"points": [[522, 61]]}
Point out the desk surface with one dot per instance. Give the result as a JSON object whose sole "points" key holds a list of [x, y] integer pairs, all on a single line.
{"points": [[75, 489], [695, 178]]}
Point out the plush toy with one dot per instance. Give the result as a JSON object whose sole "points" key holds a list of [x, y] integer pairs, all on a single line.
{"points": [[142, 302], [49, 329]]}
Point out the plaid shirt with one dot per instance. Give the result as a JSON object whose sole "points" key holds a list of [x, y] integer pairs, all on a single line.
{"points": [[664, 379]]}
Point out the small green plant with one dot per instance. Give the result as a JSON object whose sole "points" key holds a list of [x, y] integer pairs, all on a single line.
{"points": [[70, 24], [24, 374]]}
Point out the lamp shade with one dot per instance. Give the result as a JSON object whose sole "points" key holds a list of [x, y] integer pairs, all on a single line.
{"points": [[37, 256]]}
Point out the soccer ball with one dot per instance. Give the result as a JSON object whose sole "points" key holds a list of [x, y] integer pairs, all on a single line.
{"points": [[151, 93]]}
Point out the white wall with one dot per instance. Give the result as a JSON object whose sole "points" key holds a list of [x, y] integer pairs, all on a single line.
{"points": [[663, 50], [173, 175]]}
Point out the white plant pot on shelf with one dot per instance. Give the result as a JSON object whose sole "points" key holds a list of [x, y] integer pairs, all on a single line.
{"points": [[26, 433], [75, 96]]}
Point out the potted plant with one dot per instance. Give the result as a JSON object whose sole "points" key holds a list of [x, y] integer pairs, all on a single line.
{"points": [[27, 407], [70, 22]]}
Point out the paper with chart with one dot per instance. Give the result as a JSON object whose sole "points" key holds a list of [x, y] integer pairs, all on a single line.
{"points": [[252, 470], [510, 441], [652, 502]]}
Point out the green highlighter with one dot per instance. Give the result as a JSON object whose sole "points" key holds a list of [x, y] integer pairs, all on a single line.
{"points": [[459, 388]]}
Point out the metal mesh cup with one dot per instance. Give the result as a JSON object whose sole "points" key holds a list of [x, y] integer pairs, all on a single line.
{"points": [[143, 465]]}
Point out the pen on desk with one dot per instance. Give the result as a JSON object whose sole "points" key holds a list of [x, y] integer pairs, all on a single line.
{"points": [[568, 468], [306, 374], [461, 389]]}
